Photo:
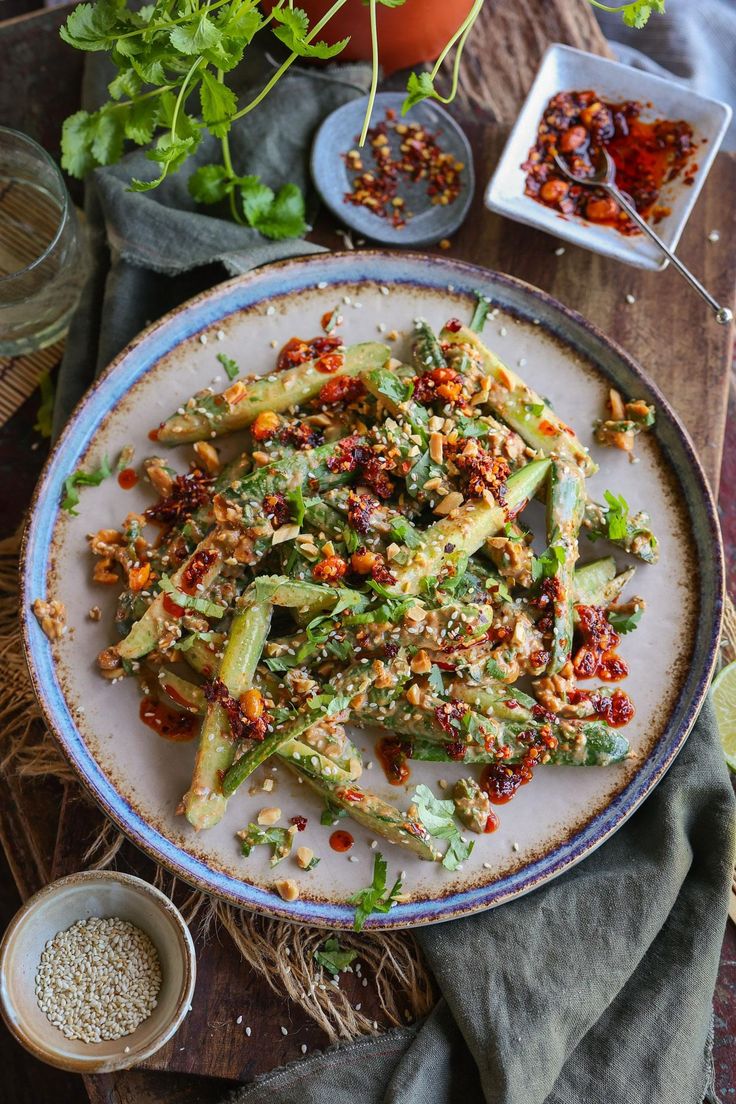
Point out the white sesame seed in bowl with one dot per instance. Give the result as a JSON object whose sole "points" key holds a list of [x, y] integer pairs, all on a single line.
{"points": [[97, 972]]}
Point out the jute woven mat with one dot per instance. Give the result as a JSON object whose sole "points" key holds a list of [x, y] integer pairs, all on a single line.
{"points": [[20, 376]]}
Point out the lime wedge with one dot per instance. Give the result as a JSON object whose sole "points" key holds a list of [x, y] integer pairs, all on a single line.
{"points": [[724, 700]]}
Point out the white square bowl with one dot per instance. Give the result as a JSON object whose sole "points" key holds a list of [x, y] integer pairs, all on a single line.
{"points": [[565, 69]]}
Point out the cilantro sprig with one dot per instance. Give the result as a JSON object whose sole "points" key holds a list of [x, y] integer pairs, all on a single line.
{"points": [[231, 367], [333, 958], [438, 818], [82, 478], [625, 621], [376, 897]]}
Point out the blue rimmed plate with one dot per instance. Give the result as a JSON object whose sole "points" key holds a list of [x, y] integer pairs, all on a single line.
{"points": [[138, 778]]}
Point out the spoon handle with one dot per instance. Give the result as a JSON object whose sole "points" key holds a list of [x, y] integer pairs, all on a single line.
{"points": [[723, 314]]}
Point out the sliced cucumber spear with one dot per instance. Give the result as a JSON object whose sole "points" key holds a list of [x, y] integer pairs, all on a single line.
{"points": [[468, 527], [214, 415]]}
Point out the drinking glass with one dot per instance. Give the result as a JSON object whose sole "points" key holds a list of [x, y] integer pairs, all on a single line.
{"points": [[43, 261]]}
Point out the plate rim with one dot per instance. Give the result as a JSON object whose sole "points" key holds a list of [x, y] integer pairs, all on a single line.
{"points": [[194, 870]]}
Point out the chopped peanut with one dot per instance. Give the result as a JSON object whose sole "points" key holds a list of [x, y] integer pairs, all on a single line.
{"points": [[288, 889], [304, 856], [615, 405], [208, 456], [414, 694], [269, 815], [138, 577], [421, 664], [51, 616], [159, 476], [252, 703], [94, 613], [235, 394], [436, 442], [449, 503]]}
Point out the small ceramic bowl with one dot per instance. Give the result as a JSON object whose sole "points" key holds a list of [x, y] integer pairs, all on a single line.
{"points": [[55, 908], [430, 222], [565, 69]]}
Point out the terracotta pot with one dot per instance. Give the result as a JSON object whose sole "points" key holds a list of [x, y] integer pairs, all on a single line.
{"points": [[408, 35]]}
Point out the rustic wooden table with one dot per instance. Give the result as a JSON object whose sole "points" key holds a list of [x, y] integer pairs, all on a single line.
{"points": [[43, 826]]}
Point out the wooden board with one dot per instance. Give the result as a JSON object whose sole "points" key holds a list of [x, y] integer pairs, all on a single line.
{"points": [[44, 828]]}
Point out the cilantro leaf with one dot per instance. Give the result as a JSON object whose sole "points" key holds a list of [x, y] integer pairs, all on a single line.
{"points": [[546, 565], [77, 136], [535, 408], [419, 87], [89, 26], [333, 958], [438, 817], [190, 601], [617, 516], [493, 670], [46, 408], [81, 478], [196, 36], [395, 389], [403, 532], [482, 307], [624, 622], [229, 365], [471, 427], [637, 14], [218, 103], [376, 897], [140, 121], [280, 839], [275, 216], [209, 184], [293, 33], [331, 814], [435, 680]]}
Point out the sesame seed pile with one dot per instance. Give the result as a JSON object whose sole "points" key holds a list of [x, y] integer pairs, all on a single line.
{"points": [[99, 979]]}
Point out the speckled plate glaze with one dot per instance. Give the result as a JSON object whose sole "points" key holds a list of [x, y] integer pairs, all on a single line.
{"points": [[138, 778], [429, 223]]}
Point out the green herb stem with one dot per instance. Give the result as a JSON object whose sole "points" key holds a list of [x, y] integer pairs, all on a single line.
{"points": [[289, 61], [460, 36], [374, 77]]}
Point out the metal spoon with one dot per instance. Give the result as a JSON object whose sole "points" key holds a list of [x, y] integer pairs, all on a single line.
{"points": [[605, 178]]}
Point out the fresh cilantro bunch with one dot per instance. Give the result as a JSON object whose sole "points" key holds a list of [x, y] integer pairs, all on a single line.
{"points": [[172, 59]]}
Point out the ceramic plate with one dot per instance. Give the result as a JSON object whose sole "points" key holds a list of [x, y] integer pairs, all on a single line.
{"points": [[429, 222], [138, 778]]}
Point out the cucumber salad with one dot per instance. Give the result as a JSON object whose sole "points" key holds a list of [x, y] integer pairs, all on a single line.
{"points": [[363, 562]]}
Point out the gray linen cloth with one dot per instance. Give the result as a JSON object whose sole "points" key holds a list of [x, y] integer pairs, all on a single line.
{"points": [[595, 988]]}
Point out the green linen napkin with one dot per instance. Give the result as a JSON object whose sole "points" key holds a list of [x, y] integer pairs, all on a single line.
{"points": [[596, 987]]}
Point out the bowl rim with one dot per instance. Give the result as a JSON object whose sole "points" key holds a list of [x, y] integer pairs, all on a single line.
{"points": [[93, 1064], [573, 230]]}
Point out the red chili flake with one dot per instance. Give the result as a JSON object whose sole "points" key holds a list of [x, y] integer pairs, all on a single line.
{"points": [[188, 493], [596, 655], [500, 781], [343, 390], [353, 455], [215, 691], [173, 608], [419, 158], [297, 350], [330, 570], [481, 472], [360, 509], [299, 821], [330, 363], [449, 715], [615, 709], [541, 714], [276, 509], [454, 325], [196, 569], [456, 750], [390, 650], [300, 436], [441, 383], [381, 573]]}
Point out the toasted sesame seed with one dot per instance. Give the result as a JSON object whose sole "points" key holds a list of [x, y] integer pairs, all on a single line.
{"points": [[99, 979]]}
